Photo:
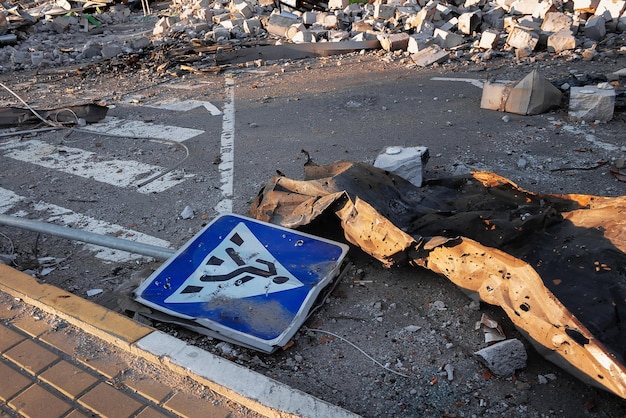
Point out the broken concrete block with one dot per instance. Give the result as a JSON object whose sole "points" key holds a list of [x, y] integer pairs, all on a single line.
{"points": [[252, 25], [161, 26], [531, 95], [522, 38], [110, 50], [279, 24], [305, 36], [505, 357], [338, 4], [586, 6], [338, 35], [469, 22], [361, 26], [451, 24], [330, 22], [384, 11], [474, 3], [591, 103], [489, 39], [60, 23], [394, 41], [309, 18], [495, 18], [611, 9], [419, 42], [447, 39], [524, 7], [426, 14], [407, 162], [556, 22], [595, 28], [432, 54], [242, 9], [561, 41]]}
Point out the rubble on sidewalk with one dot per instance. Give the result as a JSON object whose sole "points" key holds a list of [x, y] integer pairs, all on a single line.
{"points": [[491, 238]]}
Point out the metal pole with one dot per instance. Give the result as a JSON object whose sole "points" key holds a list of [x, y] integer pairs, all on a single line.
{"points": [[89, 237]]}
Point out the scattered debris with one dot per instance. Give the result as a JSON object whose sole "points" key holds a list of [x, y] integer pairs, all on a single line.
{"points": [[490, 327], [469, 229]]}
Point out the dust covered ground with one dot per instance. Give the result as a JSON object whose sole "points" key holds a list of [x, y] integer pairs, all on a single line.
{"points": [[386, 342]]}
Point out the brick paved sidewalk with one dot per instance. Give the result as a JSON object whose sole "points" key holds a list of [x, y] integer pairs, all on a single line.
{"points": [[52, 369], [64, 356]]}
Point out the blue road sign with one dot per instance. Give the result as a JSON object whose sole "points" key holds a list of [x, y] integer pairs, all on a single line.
{"points": [[248, 281]]}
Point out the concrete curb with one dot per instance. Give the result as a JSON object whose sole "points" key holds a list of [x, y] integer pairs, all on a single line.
{"points": [[251, 389]]}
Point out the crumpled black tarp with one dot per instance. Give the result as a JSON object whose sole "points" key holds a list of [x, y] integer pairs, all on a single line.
{"points": [[575, 243]]}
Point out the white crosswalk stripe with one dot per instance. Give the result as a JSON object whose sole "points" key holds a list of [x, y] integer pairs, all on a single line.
{"points": [[86, 164], [138, 129], [66, 217]]}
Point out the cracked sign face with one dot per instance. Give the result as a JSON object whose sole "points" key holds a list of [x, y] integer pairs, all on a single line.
{"points": [[247, 280]]}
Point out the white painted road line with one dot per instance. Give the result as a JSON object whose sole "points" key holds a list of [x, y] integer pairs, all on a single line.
{"points": [[472, 81], [138, 129], [85, 164], [186, 105], [227, 150], [8, 199], [66, 217]]}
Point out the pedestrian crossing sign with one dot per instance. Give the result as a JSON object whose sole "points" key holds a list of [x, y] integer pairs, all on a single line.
{"points": [[247, 281]]}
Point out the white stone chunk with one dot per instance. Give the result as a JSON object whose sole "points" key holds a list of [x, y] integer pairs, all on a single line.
{"points": [[590, 103]]}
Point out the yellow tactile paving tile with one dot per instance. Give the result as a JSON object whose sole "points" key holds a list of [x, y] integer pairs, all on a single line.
{"points": [[30, 356], [12, 382], [109, 326], [68, 379], [37, 402], [106, 401]]}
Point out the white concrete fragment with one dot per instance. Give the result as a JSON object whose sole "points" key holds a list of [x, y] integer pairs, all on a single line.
{"points": [[561, 41], [419, 42], [489, 39], [405, 162], [447, 39], [279, 24], [588, 6], [611, 9], [394, 41], [556, 22], [504, 357], [590, 103], [432, 54], [524, 7], [468, 22], [338, 4], [522, 38]]}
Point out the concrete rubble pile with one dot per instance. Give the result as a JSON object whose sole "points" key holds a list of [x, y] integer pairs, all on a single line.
{"points": [[48, 33], [427, 32]]}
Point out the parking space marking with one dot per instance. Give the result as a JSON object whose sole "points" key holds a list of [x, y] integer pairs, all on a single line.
{"points": [[66, 217], [186, 105], [137, 129], [8, 199], [86, 164], [227, 150]]}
